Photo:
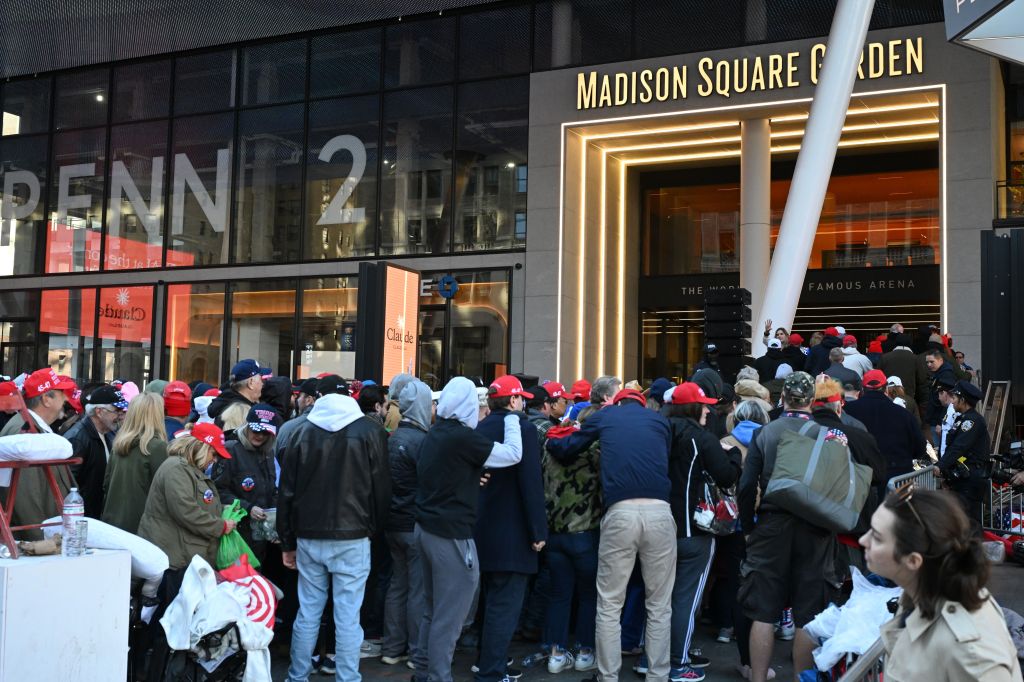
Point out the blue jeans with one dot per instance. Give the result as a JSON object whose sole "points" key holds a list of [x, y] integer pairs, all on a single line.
{"points": [[572, 560], [346, 563]]}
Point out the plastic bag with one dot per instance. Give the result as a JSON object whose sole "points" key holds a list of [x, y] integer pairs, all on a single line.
{"points": [[232, 545], [860, 619], [265, 529], [995, 551]]}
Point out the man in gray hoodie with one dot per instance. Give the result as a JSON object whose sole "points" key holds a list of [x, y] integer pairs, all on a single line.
{"points": [[403, 608]]}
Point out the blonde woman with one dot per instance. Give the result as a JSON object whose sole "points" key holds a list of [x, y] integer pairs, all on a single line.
{"points": [[139, 449], [233, 417]]}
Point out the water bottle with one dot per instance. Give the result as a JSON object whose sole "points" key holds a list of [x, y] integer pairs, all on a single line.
{"points": [[74, 510], [534, 659]]}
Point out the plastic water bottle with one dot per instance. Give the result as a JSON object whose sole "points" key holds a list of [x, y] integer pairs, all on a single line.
{"points": [[74, 510]]}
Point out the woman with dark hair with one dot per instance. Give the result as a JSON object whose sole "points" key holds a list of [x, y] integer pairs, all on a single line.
{"points": [[948, 628], [697, 460]]}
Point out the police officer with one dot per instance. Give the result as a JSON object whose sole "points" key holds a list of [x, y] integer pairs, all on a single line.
{"points": [[964, 462]]}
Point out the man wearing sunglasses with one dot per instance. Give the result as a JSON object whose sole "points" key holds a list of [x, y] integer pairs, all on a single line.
{"points": [[963, 464]]}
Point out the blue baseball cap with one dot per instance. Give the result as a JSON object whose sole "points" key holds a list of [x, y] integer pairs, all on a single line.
{"points": [[243, 370]]}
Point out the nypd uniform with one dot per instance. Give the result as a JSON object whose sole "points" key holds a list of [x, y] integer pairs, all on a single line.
{"points": [[964, 463]]}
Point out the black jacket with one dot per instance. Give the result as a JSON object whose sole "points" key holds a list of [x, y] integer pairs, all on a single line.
{"points": [[817, 358], [768, 364], [335, 483], [696, 451], [277, 392], [223, 401], [934, 410], [249, 476], [511, 512], [403, 453], [894, 427], [86, 443], [794, 357]]}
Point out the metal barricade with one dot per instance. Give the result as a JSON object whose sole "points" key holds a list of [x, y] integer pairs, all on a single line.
{"points": [[869, 667], [923, 479], [1005, 510]]}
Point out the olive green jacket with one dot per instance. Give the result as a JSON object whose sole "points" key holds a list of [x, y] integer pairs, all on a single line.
{"points": [[34, 503], [182, 515], [127, 482]]}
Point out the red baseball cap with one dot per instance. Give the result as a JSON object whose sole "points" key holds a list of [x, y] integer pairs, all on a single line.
{"points": [[831, 331], [689, 392], [212, 436], [874, 378], [849, 340], [8, 388], [795, 339], [506, 386], [581, 389], [630, 394], [43, 380], [73, 393], [177, 399], [212, 393], [557, 390]]}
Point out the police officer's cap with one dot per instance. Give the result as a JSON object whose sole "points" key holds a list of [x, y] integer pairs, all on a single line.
{"points": [[967, 389], [942, 383]]}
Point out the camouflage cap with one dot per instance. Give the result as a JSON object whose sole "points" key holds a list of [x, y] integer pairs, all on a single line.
{"points": [[799, 385]]}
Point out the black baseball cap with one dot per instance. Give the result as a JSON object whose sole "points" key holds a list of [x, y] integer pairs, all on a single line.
{"points": [[309, 387], [331, 383]]}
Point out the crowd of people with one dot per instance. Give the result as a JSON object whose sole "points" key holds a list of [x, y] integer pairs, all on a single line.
{"points": [[425, 521]]}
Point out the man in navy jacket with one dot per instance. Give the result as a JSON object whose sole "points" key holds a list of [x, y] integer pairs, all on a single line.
{"points": [[635, 444], [895, 429], [511, 529]]}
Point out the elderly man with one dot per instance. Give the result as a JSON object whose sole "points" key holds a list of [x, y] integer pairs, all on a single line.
{"points": [[92, 439], [244, 385]]}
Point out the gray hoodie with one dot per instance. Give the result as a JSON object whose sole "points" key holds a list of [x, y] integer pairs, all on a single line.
{"points": [[403, 455], [414, 403], [459, 401]]}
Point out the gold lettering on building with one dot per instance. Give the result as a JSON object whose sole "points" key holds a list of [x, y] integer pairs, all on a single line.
{"points": [[726, 77]]}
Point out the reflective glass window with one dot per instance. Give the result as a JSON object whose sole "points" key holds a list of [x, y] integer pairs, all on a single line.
{"points": [[568, 32], [327, 326], [492, 131], [194, 332], [268, 196], [341, 178], [420, 52], [135, 212], [345, 63], [76, 201], [82, 99], [262, 324], [142, 91], [19, 315], [479, 325], [204, 82], [494, 43], [125, 333], [26, 107], [67, 320], [24, 169], [416, 171], [274, 73], [200, 190]]}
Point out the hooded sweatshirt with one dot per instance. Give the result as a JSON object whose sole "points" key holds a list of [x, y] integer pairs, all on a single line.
{"points": [[277, 392], [222, 402], [334, 411], [403, 454], [395, 388], [202, 404]]}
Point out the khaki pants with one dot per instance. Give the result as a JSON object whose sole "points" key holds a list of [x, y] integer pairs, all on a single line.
{"points": [[629, 529]]}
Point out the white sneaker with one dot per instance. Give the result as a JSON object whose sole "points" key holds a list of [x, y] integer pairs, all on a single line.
{"points": [[586, 661], [563, 661], [369, 649]]}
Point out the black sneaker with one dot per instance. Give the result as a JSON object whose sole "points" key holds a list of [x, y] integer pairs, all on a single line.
{"points": [[512, 673], [327, 665], [697, 659], [592, 678]]}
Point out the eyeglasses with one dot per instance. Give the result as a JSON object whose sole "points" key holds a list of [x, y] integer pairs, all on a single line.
{"points": [[904, 495]]}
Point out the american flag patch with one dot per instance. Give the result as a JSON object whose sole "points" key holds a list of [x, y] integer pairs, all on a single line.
{"points": [[836, 434]]}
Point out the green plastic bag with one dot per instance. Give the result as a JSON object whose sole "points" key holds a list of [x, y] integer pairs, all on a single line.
{"points": [[232, 545]]}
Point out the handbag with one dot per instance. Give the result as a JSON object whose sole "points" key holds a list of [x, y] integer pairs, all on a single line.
{"points": [[717, 512]]}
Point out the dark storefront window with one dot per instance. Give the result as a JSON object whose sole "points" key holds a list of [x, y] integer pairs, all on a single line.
{"points": [[76, 201], [82, 99], [419, 53], [274, 73], [341, 178], [345, 63], [142, 91], [67, 320], [204, 82], [135, 235], [24, 167], [268, 198], [327, 326], [19, 312], [201, 190], [125, 333], [492, 140], [194, 332], [263, 324], [581, 32], [416, 172], [495, 43], [26, 107]]}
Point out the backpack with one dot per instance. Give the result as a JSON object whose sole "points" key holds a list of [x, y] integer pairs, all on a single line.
{"points": [[816, 479]]}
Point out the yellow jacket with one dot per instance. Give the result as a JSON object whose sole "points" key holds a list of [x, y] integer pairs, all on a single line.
{"points": [[955, 646]]}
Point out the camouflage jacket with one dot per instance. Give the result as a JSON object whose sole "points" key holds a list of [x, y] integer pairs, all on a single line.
{"points": [[572, 494]]}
